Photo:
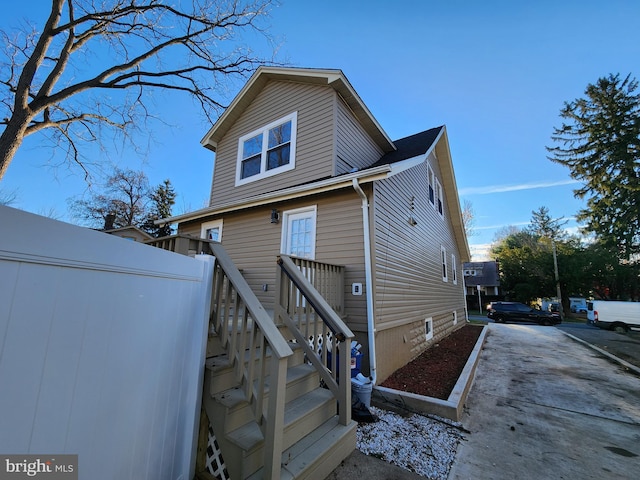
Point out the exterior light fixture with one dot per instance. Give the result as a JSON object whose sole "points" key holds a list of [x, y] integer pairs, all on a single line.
{"points": [[275, 216]]}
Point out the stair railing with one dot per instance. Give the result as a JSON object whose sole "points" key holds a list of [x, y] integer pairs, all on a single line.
{"points": [[248, 333], [181, 243], [316, 327]]}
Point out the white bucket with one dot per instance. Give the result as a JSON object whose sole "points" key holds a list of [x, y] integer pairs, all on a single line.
{"points": [[362, 391]]}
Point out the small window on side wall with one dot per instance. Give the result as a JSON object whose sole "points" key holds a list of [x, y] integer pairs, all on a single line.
{"points": [[454, 270], [428, 328], [212, 230], [432, 198], [443, 252]]}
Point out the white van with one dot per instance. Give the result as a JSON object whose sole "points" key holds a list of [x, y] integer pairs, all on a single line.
{"points": [[617, 316]]}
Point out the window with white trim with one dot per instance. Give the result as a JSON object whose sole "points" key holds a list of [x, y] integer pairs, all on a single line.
{"points": [[443, 255], [439, 198], [428, 328], [212, 230], [267, 151], [454, 270], [431, 184], [299, 232]]}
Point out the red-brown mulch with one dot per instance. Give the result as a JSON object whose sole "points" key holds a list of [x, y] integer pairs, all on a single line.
{"points": [[435, 372]]}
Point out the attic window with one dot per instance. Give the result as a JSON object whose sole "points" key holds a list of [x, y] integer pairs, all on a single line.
{"points": [[267, 151]]}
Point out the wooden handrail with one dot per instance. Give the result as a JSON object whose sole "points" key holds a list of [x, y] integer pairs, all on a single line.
{"points": [[318, 329], [249, 334]]}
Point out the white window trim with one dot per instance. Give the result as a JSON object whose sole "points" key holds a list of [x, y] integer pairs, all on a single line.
{"points": [[454, 271], [286, 215], [264, 173], [443, 261], [431, 178], [439, 199], [428, 328], [212, 224]]}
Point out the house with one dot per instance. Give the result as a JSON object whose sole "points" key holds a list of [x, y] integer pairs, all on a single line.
{"points": [[483, 276], [304, 173], [130, 232], [303, 168], [482, 284]]}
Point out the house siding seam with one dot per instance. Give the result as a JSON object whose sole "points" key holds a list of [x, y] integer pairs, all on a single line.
{"points": [[314, 139], [408, 269]]}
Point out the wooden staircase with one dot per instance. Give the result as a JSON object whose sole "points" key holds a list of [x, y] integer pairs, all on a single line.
{"points": [[314, 442], [277, 408]]}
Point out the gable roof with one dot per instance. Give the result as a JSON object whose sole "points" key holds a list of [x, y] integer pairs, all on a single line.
{"points": [[411, 146], [332, 78]]}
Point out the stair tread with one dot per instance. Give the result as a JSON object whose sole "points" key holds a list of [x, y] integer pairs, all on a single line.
{"points": [[233, 397], [249, 435], [310, 449], [221, 362]]}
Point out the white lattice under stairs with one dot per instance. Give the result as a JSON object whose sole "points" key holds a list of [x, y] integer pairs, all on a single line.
{"points": [[314, 442]]}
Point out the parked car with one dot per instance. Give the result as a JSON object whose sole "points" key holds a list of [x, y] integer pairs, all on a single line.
{"points": [[611, 315], [501, 312]]}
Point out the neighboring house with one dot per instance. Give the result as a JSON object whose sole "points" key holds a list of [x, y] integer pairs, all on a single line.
{"points": [[130, 233], [303, 168], [483, 274]]}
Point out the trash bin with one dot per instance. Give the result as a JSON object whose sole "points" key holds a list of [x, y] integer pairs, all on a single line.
{"points": [[361, 388], [356, 363]]}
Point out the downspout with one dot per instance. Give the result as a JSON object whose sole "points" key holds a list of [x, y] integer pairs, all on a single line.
{"points": [[368, 279]]}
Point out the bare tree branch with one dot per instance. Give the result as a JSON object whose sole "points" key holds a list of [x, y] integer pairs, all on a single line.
{"points": [[140, 45]]}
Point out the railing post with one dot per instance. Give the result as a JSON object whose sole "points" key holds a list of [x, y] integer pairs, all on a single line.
{"points": [[275, 413]]}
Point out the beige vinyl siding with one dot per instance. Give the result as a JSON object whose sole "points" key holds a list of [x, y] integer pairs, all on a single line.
{"points": [[354, 148], [254, 243], [314, 139], [408, 269]]}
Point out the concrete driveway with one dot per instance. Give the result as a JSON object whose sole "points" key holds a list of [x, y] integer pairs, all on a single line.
{"points": [[545, 406]]}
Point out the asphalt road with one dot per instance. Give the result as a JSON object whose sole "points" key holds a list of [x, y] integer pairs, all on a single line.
{"points": [[622, 345], [545, 406]]}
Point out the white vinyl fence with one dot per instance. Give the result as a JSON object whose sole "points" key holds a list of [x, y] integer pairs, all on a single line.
{"points": [[102, 345]]}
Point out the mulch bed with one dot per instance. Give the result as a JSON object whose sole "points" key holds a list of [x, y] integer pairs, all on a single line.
{"points": [[435, 372]]}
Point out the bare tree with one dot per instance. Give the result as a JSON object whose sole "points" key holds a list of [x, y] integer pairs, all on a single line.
{"points": [[468, 218], [123, 201], [8, 198], [89, 67]]}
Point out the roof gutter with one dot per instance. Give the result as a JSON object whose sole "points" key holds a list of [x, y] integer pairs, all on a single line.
{"points": [[298, 191], [369, 280]]}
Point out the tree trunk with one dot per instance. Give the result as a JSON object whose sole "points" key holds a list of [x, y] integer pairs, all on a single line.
{"points": [[11, 139]]}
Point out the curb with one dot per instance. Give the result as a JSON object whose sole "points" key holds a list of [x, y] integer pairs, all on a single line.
{"points": [[624, 363], [450, 408]]}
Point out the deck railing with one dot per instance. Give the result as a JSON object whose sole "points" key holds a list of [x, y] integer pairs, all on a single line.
{"points": [[181, 243], [316, 326]]}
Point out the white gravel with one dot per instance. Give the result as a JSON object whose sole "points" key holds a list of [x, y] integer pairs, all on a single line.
{"points": [[422, 444]]}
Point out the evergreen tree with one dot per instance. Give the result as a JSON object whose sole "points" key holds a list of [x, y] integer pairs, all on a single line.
{"points": [[163, 197], [600, 143], [544, 226]]}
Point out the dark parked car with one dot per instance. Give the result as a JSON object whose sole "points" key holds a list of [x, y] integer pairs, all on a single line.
{"points": [[501, 312]]}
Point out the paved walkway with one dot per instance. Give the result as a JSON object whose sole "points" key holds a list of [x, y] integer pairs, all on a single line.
{"points": [[543, 406]]}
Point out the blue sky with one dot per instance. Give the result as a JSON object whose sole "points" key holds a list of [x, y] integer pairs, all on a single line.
{"points": [[495, 72]]}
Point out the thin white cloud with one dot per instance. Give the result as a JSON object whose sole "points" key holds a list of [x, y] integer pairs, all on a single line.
{"points": [[512, 188]]}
